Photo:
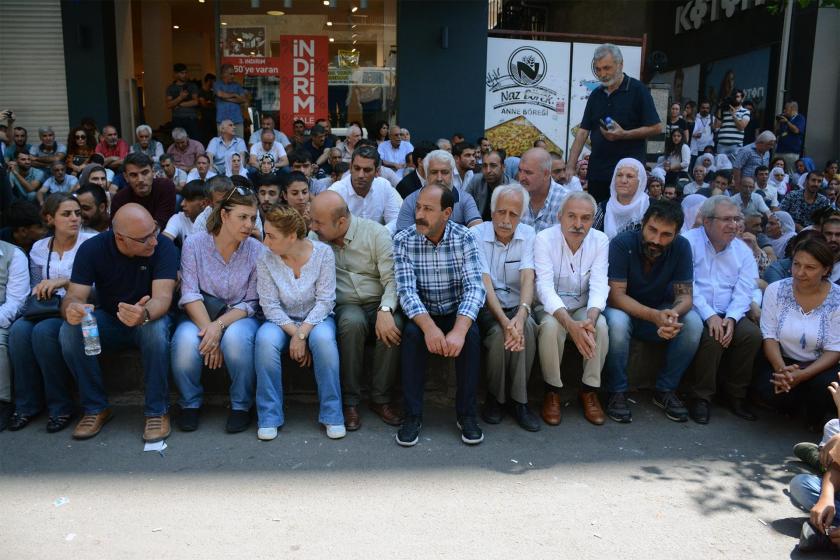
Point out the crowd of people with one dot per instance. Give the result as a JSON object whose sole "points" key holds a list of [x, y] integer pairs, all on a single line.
{"points": [[725, 252]]}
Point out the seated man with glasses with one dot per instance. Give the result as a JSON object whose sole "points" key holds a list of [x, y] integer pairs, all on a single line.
{"points": [[155, 195], [725, 275], [134, 270]]}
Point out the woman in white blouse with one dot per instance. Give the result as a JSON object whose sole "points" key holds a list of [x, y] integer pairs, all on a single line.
{"points": [[800, 322], [41, 376], [296, 286]]}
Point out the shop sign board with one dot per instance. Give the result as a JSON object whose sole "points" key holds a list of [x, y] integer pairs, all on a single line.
{"points": [[693, 15], [253, 65], [304, 77]]}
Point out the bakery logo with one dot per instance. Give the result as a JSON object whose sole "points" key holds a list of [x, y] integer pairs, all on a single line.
{"points": [[527, 66]]}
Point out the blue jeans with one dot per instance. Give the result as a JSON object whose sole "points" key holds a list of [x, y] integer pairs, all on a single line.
{"points": [[415, 354], [153, 341], [41, 373], [805, 491], [679, 355], [238, 350], [271, 342]]}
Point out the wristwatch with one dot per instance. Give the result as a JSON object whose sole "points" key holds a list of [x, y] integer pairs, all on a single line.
{"points": [[301, 336], [526, 306], [146, 316], [385, 308]]}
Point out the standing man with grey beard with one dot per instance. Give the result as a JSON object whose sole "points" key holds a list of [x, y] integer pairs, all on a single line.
{"points": [[619, 115]]}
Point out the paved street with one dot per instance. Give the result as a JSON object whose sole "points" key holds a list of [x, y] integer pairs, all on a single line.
{"points": [[652, 489]]}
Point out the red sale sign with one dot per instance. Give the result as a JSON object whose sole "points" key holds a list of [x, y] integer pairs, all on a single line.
{"points": [[253, 65], [304, 75]]}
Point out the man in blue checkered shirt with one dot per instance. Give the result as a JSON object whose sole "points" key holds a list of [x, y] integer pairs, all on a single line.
{"points": [[438, 273]]}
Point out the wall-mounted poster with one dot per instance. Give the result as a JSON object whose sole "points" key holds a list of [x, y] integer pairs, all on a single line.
{"points": [[684, 82], [527, 94], [243, 41], [584, 81], [304, 77], [749, 72]]}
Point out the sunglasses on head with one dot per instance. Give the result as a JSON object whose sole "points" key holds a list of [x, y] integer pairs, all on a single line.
{"points": [[243, 191]]}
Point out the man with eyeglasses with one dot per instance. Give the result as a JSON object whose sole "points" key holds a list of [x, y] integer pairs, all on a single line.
{"points": [[155, 195], [134, 269], [725, 274]]}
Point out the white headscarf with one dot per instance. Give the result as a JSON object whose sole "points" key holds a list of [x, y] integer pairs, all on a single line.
{"points": [[705, 157], [778, 179], [690, 205], [242, 166], [788, 231], [619, 216]]}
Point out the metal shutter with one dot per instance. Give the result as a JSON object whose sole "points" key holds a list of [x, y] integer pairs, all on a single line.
{"points": [[32, 72]]}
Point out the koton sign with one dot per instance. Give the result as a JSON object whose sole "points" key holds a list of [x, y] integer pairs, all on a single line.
{"points": [[304, 77], [253, 65]]}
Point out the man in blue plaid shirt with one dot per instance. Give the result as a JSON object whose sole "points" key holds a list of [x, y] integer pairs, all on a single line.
{"points": [[438, 275]]}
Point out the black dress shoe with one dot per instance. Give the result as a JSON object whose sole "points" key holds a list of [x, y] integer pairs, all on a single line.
{"points": [[492, 411], [526, 419], [19, 422], [238, 421], [6, 411], [58, 423], [188, 419], [740, 409], [699, 411]]}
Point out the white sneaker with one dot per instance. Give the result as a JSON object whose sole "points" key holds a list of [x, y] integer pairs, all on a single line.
{"points": [[336, 431], [266, 434]]}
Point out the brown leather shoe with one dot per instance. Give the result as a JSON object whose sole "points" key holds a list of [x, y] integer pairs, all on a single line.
{"points": [[592, 410], [351, 418], [91, 424], [551, 414], [388, 413], [157, 428]]}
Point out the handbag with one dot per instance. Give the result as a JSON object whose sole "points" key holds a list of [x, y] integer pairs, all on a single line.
{"points": [[216, 307], [35, 309]]}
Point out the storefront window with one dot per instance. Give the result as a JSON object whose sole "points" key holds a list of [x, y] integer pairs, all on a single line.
{"points": [[352, 43]]}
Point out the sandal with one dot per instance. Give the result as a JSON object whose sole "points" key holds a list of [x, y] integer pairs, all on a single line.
{"points": [[58, 423], [19, 422]]}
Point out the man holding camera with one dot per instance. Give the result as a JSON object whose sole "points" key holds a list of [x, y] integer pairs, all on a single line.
{"points": [[790, 129], [733, 118]]}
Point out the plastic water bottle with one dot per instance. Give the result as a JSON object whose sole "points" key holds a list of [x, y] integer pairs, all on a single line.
{"points": [[90, 333]]}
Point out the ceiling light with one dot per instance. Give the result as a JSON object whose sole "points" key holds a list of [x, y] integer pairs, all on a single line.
{"points": [[329, 24], [354, 35], [240, 39], [275, 13], [176, 27], [332, 40], [224, 23], [354, 9], [326, 2], [354, 41], [353, 26], [201, 1]]}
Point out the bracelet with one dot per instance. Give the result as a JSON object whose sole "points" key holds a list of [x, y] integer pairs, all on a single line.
{"points": [[221, 325], [526, 306]]}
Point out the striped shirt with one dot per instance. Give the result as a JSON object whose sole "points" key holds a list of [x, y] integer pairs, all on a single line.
{"points": [[728, 133], [438, 279]]}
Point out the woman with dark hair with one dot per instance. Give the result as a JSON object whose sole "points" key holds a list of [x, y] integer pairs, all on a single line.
{"points": [[219, 299], [80, 146], [296, 284], [41, 376], [382, 129], [677, 157], [676, 121], [780, 268], [800, 322], [295, 193]]}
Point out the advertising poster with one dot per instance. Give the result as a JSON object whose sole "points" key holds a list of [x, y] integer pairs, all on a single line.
{"points": [[304, 77], [527, 94], [749, 72], [684, 83], [243, 41], [584, 81]]}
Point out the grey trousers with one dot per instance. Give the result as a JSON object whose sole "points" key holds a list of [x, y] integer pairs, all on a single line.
{"points": [[356, 325], [552, 340], [733, 366], [502, 364]]}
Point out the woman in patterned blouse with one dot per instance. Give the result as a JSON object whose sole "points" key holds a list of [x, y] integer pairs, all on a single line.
{"points": [[219, 298], [296, 285], [800, 322]]}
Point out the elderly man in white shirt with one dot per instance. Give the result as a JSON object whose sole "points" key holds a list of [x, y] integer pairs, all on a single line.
{"points": [[506, 247], [572, 261], [394, 151], [725, 274], [268, 145], [366, 195], [14, 287], [749, 201]]}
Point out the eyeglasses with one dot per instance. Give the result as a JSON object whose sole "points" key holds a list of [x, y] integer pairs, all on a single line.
{"points": [[82, 136], [143, 240], [729, 219], [243, 191]]}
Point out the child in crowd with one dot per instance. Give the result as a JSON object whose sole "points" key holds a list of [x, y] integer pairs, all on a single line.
{"points": [[821, 497]]}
